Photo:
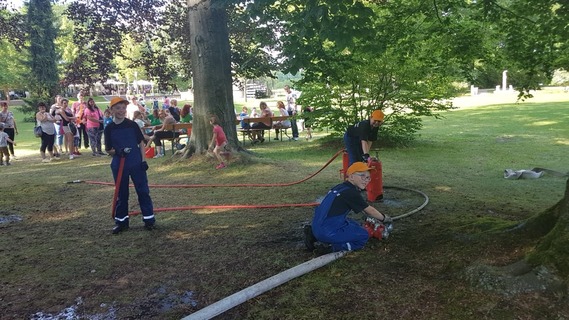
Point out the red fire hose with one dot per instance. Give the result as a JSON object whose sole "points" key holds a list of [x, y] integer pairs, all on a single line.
{"points": [[231, 206], [117, 186], [233, 185]]}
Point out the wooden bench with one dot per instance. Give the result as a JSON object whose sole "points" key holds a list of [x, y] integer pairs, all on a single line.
{"points": [[246, 133], [282, 129], [184, 130]]}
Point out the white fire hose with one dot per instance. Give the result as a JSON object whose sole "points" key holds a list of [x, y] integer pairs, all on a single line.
{"points": [[239, 297]]}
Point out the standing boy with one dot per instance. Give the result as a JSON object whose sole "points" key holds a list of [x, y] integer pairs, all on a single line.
{"points": [[123, 139], [359, 137], [4, 139]]}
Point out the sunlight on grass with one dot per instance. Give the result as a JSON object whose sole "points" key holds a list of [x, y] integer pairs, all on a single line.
{"points": [[443, 188], [180, 235], [58, 217], [543, 123], [564, 142]]}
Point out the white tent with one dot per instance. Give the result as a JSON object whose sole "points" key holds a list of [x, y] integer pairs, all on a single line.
{"points": [[142, 83], [111, 81]]}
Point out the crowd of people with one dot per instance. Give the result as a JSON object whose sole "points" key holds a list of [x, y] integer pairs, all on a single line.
{"points": [[67, 126], [64, 127]]}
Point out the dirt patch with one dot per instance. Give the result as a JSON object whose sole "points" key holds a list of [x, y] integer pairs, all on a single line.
{"points": [[514, 279]]}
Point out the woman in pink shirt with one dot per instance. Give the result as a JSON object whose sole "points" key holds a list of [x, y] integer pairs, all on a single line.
{"points": [[94, 127]]}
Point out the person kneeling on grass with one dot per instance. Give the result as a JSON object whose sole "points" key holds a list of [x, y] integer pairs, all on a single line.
{"points": [[218, 141], [330, 224], [123, 139]]}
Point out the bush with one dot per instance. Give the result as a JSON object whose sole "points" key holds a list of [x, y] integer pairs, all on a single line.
{"points": [[30, 107]]}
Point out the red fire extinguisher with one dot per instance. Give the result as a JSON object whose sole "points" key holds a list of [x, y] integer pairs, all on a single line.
{"points": [[345, 165], [375, 186]]}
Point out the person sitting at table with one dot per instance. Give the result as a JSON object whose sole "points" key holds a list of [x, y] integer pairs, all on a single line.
{"points": [[254, 113], [139, 120], [154, 117], [283, 123], [258, 134], [185, 114], [242, 116], [162, 133]]}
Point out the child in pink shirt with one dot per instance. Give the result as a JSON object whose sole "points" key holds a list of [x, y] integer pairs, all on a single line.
{"points": [[218, 141]]}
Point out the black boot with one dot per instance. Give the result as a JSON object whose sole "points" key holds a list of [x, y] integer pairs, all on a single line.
{"points": [[309, 238]]}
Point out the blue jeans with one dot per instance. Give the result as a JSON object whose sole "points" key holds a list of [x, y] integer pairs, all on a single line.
{"points": [[354, 148], [140, 181]]}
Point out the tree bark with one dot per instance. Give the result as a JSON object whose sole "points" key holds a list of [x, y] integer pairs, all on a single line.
{"points": [[553, 248], [211, 66]]}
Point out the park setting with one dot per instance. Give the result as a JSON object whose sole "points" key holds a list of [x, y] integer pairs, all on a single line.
{"points": [[174, 159]]}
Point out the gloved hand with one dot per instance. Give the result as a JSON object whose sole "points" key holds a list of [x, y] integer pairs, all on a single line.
{"points": [[123, 152], [365, 157], [387, 219], [144, 165]]}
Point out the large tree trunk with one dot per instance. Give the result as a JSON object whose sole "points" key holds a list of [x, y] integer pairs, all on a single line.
{"points": [[211, 67], [532, 273], [553, 248]]}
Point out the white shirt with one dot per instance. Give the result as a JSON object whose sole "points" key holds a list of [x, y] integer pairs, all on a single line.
{"points": [[130, 109]]}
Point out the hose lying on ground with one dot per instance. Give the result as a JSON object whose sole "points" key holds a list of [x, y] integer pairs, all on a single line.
{"points": [[237, 298]]}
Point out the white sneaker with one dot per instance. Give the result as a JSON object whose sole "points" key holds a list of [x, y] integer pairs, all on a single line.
{"points": [[158, 156], [295, 139], [46, 160], [71, 157]]}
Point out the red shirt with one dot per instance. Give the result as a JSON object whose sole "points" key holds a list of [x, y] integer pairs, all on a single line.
{"points": [[220, 137]]}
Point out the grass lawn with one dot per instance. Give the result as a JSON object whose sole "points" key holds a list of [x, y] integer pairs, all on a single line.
{"points": [[57, 250]]}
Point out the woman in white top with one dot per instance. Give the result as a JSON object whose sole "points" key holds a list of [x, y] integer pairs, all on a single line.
{"points": [[162, 133], [284, 123], [66, 118], [46, 121]]}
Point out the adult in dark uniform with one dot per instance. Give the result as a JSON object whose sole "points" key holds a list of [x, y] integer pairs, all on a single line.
{"points": [[359, 137], [331, 225], [123, 138]]}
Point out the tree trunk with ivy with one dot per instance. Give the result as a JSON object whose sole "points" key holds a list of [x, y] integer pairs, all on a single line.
{"points": [[553, 226], [211, 66]]}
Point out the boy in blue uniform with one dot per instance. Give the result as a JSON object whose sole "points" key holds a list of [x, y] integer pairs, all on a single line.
{"points": [[359, 137], [331, 225], [123, 138]]}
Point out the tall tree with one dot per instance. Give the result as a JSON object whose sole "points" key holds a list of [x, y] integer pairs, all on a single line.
{"points": [[211, 64], [44, 78], [12, 25], [13, 68]]}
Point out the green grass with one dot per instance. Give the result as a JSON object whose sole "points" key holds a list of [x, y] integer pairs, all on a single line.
{"points": [[63, 248]]}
